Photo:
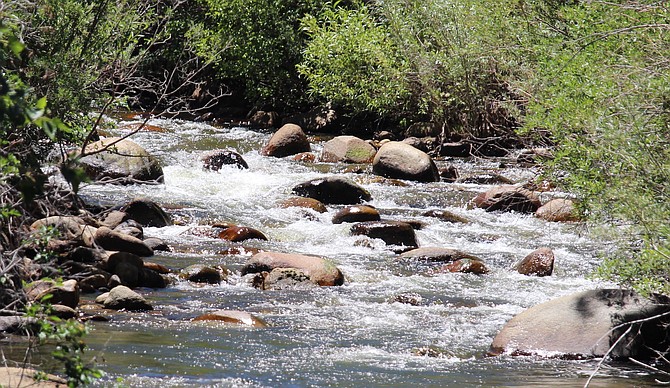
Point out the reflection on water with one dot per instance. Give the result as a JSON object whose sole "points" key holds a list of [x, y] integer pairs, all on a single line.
{"points": [[350, 336]]}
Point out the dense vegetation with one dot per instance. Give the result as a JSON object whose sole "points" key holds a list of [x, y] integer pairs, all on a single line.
{"points": [[590, 78]]}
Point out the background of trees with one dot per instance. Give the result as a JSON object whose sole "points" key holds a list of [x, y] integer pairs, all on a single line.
{"points": [[589, 77]]}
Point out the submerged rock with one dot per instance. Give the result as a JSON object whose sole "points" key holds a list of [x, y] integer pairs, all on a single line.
{"points": [[235, 317], [304, 202], [587, 324], [199, 273]]}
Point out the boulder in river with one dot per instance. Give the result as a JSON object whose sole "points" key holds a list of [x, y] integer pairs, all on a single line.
{"points": [[121, 161], [283, 278], [123, 298], [321, 271], [356, 213], [114, 241], [434, 255], [347, 149], [288, 140], [333, 190], [540, 262], [402, 161], [588, 324], [147, 213], [235, 317], [558, 210], [508, 198], [199, 273], [446, 215], [241, 233], [399, 235], [215, 160], [66, 293], [474, 266]]}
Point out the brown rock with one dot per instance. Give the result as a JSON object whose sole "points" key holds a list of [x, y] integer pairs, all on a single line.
{"points": [[66, 293], [233, 317], [537, 263], [508, 198], [199, 273], [435, 255], [446, 215], [241, 233], [347, 149], [321, 271], [115, 241], [558, 210], [304, 202], [305, 157], [473, 266], [25, 377], [357, 213], [288, 140], [283, 278]]}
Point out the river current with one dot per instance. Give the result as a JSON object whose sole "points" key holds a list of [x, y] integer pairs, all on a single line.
{"points": [[356, 335]]}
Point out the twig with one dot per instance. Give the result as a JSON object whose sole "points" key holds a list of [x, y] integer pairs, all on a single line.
{"points": [[621, 337]]}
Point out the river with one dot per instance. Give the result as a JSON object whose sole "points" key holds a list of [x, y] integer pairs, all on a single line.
{"points": [[355, 335]]}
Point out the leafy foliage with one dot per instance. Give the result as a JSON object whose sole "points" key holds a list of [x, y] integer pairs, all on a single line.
{"points": [[601, 88]]}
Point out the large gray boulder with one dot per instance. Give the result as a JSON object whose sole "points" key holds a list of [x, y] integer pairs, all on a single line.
{"points": [[402, 161], [348, 149], [121, 161], [587, 324], [112, 240]]}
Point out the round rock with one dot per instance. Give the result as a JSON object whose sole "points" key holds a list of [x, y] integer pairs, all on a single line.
{"points": [[347, 149], [357, 213], [115, 241], [241, 233], [147, 213], [537, 263], [402, 161], [304, 202], [333, 190], [288, 140], [123, 298], [508, 198], [558, 210]]}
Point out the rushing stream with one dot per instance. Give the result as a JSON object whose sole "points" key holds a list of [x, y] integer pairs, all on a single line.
{"points": [[355, 335]]}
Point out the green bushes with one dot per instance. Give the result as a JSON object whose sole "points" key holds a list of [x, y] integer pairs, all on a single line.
{"points": [[433, 60], [601, 87]]}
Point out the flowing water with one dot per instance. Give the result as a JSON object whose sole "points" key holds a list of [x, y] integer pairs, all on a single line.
{"points": [[355, 335]]}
